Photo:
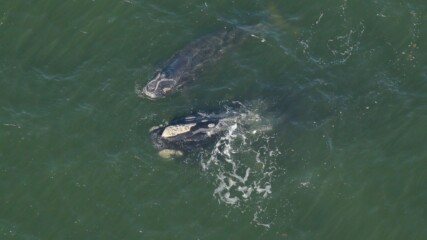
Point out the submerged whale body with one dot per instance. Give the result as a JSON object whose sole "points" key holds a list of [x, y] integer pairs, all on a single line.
{"points": [[187, 62], [190, 132]]}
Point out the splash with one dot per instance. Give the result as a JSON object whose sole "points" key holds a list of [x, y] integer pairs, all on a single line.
{"points": [[243, 165]]}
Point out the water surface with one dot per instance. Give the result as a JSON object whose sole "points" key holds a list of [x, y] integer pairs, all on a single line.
{"points": [[342, 83]]}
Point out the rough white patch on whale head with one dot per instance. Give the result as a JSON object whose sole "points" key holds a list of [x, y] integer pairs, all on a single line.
{"points": [[170, 153], [171, 131], [159, 86]]}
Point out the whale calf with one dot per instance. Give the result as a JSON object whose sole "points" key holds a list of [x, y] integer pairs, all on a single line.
{"points": [[184, 65]]}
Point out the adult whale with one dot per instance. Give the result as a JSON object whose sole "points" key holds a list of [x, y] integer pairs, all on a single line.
{"points": [[184, 134], [184, 65]]}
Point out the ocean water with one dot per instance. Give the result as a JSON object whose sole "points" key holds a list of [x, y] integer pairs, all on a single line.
{"points": [[336, 148]]}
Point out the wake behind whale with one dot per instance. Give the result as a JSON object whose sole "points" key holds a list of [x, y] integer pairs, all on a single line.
{"points": [[242, 165]]}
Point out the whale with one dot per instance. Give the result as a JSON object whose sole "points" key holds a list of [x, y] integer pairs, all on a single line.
{"points": [[184, 66], [184, 134]]}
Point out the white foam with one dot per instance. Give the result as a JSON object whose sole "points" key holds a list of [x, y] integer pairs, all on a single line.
{"points": [[242, 164]]}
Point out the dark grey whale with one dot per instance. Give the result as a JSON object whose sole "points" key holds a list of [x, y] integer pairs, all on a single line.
{"points": [[184, 65], [191, 132]]}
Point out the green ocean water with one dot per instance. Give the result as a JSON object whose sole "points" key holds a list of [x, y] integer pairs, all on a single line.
{"points": [[343, 84]]}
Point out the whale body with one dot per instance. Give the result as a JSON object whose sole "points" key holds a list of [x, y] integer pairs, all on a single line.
{"points": [[190, 132], [184, 65]]}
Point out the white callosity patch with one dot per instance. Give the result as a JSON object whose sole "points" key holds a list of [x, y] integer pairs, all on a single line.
{"points": [[174, 130], [170, 153]]}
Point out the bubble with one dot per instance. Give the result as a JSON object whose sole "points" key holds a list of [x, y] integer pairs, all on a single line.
{"points": [[335, 46]]}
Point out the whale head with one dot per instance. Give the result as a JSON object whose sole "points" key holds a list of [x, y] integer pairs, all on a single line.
{"points": [[159, 86]]}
